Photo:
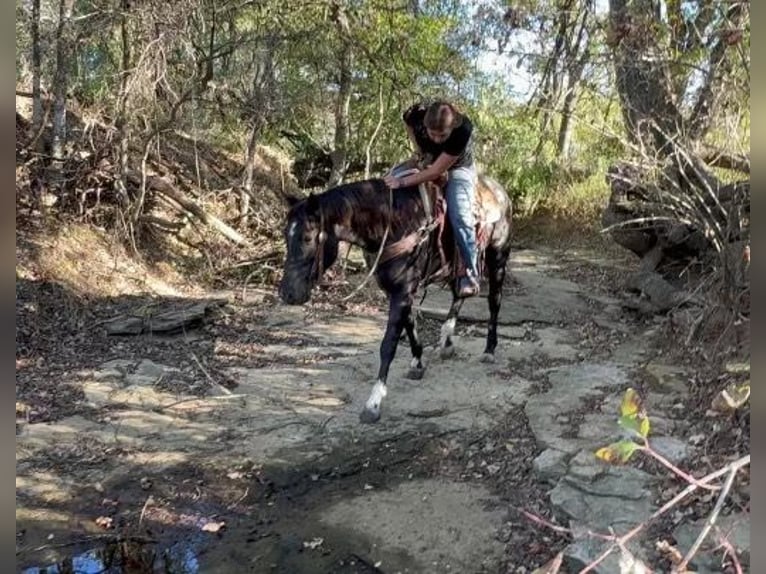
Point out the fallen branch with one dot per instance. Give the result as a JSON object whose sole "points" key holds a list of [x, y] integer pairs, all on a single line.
{"points": [[733, 466], [209, 377], [733, 161], [192, 399], [159, 185], [709, 523]]}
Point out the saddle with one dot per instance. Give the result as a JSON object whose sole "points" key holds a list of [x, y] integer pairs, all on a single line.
{"points": [[486, 212]]}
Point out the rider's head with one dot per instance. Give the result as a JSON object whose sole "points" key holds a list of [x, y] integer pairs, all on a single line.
{"points": [[440, 119]]}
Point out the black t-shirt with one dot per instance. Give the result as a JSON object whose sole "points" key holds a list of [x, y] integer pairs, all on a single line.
{"points": [[459, 143]]}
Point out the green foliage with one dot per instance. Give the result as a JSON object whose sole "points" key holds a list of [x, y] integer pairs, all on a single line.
{"points": [[634, 420], [401, 52]]}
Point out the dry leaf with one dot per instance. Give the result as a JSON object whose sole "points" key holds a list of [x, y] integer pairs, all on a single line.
{"points": [[731, 398], [552, 566], [315, 543], [104, 521], [629, 564], [672, 553], [213, 526]]}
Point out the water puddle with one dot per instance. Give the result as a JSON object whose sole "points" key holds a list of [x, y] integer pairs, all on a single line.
{"points": [[125, 557]]}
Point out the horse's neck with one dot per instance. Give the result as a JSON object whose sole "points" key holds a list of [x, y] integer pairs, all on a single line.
{"points": [[364, 223]]}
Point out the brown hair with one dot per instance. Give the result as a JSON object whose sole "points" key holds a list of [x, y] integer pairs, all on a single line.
{"points": [[442, 116]]}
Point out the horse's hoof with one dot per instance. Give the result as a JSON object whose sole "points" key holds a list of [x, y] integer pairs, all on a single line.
{"points": [[369, 416], [447, 352], [416, 373], [487, 358]]}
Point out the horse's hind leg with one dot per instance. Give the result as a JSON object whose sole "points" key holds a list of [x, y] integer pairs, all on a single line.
{"points": [[399, 309], [417, 369], [496, 264], [446, 347]]}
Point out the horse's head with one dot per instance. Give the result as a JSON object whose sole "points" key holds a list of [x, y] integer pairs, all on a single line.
{"points": [[312, 247]]}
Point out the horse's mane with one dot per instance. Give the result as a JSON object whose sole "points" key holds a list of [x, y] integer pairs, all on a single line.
{"points": [[350, 197], [371, 198]]}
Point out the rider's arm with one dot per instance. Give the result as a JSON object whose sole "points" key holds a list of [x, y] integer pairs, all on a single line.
{"points": [[432, 172]]}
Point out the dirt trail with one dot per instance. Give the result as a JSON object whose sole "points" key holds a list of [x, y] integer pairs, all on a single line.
{"points": [[276, 474]]}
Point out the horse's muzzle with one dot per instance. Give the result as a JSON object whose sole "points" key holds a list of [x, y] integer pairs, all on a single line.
{"points": [[292, 296]]}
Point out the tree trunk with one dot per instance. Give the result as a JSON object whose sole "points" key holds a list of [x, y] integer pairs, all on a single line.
{"points": [[263, 89], [551, 83], [577, 53], [381, 115], [122, 124], [37, 102], [64, 49], [343, 103], [643, 78], [247, 184]]}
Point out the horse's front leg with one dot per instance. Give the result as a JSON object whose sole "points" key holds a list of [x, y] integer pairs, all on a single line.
{"points": [[399, 311], [446, 347]]}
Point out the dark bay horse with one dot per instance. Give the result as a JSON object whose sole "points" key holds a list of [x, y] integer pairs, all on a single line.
{"points": [[366, 214]]}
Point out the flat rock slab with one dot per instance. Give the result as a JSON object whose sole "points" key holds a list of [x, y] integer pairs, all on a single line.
{"points": [[538, 298], [400, 524]]}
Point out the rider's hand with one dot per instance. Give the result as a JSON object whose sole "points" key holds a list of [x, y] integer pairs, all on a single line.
{"points": [[392, 181]]}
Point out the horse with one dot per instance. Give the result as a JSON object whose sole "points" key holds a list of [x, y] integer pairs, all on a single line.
{"points": [[414, 247]]}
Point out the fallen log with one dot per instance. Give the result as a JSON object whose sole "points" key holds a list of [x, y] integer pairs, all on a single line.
{"points": [[170, 318]]}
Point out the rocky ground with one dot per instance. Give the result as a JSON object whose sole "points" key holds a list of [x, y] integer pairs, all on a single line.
{"points": [[236, 446]]}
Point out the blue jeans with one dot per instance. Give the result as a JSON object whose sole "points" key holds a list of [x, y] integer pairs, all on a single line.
{"points": [[460, 191]]}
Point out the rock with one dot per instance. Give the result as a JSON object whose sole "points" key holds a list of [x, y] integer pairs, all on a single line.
{"points": [[115, 369], [673, 449], [149, 368], [585, 466], [600, 429], [570, 385], [736, 527], [511, 332], [551, 464], [666, 379], [585, 550], [618, 496]]}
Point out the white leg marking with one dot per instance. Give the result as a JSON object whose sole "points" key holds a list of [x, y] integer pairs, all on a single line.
{"points": [[448, 328], [376, 396], [415, 363]]}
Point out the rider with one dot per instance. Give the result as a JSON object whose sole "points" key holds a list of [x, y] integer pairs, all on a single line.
{"points": [[444, 137]]}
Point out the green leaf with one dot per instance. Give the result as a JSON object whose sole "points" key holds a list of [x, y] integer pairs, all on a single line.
{"points": [[631, 403], [630, 423], [638, 425], [618, 452], [644, 427]]}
